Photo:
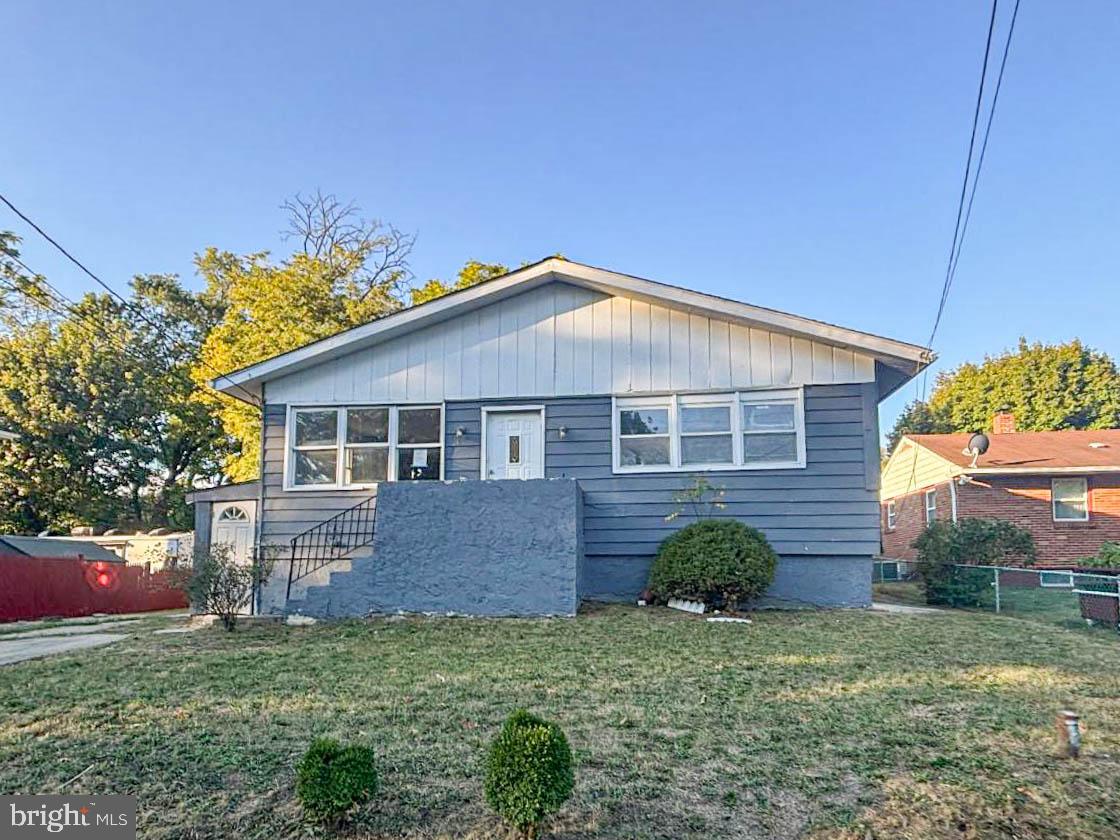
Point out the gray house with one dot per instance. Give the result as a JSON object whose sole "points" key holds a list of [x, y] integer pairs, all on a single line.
{"points": [[516, 447]]}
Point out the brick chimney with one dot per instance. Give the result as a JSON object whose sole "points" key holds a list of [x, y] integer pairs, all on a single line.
{"points": [[1003, 423]]}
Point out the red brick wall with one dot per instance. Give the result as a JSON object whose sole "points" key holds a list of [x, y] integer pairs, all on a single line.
{"points": [[910, 520], [1025, 501]]}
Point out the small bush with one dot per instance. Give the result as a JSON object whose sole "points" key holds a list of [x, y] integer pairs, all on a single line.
{"points": [[1108, 557], [219, 584], [332, 779], [943, 546], [717, 561], [529, 771]]}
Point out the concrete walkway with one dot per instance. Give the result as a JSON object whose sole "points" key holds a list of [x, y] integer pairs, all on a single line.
{"points": [[905, 609], [20, 649], [24, 640]]}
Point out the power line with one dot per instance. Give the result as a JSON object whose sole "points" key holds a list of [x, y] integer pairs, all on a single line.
{"points": [[984, 145], [252, 399], [963, 214], [58, 303], [964, 183]]}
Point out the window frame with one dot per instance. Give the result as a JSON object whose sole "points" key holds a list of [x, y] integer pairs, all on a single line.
{"points": [[1054, 501], [892, 516], [931, 509], [673, 401], [340, 446]]}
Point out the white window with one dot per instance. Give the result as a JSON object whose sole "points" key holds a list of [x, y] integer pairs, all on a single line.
{"points": [[892, 516], [687, 432], [1070, 499], [363, 445], [931, 506], [1056, 580]]}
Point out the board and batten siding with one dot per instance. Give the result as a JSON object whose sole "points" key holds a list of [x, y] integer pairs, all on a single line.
{"points": [[564, 340]]}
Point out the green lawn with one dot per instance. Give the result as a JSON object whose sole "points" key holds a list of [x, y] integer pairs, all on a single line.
{"points": [[823, 724]]}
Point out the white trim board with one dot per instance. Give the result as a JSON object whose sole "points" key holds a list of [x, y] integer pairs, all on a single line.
{"points": [[909, 359]]}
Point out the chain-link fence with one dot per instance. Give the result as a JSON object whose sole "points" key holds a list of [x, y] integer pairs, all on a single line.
{"points": [[1055, 596]]}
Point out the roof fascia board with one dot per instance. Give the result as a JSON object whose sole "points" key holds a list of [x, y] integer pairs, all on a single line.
{"points": [[701, 303], [1038, 470]]}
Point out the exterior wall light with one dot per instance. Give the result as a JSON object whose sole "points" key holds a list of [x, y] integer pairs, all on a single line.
{"points": [[563, 431]]}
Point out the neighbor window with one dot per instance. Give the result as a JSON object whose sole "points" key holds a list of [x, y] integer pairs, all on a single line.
{"points": [[891, 516], [1070, 499], [360, 446], [931, 506], [681, 432]]}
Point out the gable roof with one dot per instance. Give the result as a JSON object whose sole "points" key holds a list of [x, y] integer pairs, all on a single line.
{"points": [[55, 548], [905, 359], [1069, 450]]}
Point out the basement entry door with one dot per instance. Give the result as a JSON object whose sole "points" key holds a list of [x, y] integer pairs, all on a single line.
{"points": [[514, 444]]}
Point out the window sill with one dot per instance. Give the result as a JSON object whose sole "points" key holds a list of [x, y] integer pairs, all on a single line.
{"points": [[699, 468]]}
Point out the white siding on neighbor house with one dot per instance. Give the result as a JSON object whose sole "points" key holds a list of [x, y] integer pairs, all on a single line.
{"points": [[564, 340], [913, 468]]}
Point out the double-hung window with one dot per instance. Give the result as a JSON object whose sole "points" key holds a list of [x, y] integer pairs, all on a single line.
{"points": [[891, 516], [697, 432], [1070, 499], [931, 506], [360, 446]]}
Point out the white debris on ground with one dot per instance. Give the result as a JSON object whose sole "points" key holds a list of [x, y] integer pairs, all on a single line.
{"points": [[296, 620], [686, 606], [197, 622], [729, 619]]}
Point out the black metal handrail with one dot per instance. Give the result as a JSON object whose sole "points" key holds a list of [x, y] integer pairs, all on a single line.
{"points": [[332, 539]]}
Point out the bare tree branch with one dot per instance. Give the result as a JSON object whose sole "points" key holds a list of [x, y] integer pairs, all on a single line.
{"points": [[329, 230]]}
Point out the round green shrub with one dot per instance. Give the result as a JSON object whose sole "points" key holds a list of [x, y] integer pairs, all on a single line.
{"points": [[528, 771], [332, 779], [717, 561]]}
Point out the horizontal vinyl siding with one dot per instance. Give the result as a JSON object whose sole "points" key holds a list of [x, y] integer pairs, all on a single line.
{"points": [[828, 508], [287, 514], [564, 340], [913, 468]]}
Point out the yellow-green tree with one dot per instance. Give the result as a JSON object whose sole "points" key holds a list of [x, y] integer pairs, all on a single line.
{"points": [[471, 274], [1046, 386]]}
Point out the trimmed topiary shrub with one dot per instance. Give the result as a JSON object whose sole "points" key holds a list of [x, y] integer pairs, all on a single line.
{"points": [[332, 779], [528, 771], [717, 561]]}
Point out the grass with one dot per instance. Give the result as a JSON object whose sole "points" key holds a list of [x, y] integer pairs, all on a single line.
{"points": [[839, 725]]}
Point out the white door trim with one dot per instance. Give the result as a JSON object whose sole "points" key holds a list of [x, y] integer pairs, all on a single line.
{"points": [[499, 409]]}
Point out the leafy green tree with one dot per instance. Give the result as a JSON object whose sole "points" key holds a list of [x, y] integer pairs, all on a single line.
{"points": [[111, 431], [1047, 387], [472, 273], [348, 272]]}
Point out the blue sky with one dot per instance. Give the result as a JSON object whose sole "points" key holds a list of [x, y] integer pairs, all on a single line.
{"points": [[802, 156]]}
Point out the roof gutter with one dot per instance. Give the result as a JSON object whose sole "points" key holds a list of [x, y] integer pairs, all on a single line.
{"points": [[1038, 470]]}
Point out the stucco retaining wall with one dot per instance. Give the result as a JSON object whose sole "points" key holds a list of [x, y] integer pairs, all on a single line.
{"points": [[479, 548]]}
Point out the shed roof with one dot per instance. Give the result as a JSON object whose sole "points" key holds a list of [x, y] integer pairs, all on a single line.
{"points": [[1067, 450], [54, 548]]}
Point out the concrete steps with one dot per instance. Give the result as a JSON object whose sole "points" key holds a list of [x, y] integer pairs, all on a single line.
{"points": [[311, 595]]}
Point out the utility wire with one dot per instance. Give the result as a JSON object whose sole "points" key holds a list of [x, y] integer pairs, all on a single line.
{"points": [[251, 398], [984, 145], [964, 184], [67, 309], [965, 214]]}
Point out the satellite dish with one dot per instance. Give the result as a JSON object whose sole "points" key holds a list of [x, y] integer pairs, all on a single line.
{"points": [[977, 445]]}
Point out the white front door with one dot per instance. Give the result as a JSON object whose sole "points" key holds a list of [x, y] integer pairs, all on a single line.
{"points": [[514, 444], [233, 528]]}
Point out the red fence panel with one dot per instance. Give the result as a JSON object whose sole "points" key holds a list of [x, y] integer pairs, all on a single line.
{"points": [[37, 587]]}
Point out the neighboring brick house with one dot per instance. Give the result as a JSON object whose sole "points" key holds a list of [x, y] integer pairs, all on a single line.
{"points": [[1063, 487]]}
